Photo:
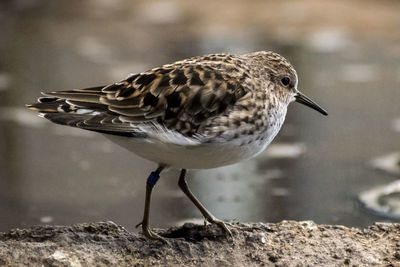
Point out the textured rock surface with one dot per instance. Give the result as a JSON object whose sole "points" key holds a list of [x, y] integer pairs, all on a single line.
{"points": [[281, 244]]}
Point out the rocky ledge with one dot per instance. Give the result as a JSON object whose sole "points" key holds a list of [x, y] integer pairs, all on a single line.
{"points": [[287, 243]]}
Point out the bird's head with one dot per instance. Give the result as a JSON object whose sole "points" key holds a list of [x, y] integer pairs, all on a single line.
{"points": [[282, 78]]}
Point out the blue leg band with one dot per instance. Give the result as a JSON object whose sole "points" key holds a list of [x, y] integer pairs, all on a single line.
{"points": [[152, 179]]}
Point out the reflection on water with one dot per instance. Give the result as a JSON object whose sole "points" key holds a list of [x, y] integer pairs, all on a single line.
{"points": [[388, 163], [313, 171], [383, 200]]}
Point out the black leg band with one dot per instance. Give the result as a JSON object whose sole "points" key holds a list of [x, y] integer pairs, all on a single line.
{"points": [[153, 178]]}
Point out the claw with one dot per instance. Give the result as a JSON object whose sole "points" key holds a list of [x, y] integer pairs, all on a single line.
{"points": [[151, 235], [220, 224]]}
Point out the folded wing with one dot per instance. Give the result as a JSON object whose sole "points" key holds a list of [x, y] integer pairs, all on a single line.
{"points": [[178, 98]]}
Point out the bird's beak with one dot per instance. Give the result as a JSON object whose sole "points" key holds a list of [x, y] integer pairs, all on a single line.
{"points": [[303, 99]]}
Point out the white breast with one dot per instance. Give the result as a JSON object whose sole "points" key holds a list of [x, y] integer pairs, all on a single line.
{"points": [[201, 155]]}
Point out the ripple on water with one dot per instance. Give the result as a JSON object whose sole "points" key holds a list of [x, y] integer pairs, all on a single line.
{"points": [[389, 163], [328, 41], [384, 200], [285, 150]]}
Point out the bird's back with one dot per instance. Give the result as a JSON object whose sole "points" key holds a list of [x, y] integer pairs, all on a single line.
{"points": [[213, 102], [180, 97]]}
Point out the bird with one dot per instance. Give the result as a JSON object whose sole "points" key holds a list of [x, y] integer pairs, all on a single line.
{"points": [[197, 113]]}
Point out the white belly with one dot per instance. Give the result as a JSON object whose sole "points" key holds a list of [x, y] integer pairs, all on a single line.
{"points": [[165, 148], [202, 156]]}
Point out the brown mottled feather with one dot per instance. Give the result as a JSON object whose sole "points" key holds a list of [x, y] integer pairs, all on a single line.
{"points": [[187, 96], [179, 96]]}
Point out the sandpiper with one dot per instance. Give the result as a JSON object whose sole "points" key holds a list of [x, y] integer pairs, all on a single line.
{"points": [[198, 113]]}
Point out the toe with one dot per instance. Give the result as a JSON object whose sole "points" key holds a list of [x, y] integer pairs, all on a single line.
{"points": [[153, 236], [221, 224]]}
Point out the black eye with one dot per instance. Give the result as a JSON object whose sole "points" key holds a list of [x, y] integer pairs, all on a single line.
{"points": [[285, 81]]}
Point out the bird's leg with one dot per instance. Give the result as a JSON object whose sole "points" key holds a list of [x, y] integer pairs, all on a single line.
{"points": [[207, 215], [151, 182]]}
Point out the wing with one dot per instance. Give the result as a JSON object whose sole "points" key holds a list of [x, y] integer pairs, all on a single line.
{"points": [[180, 97]]}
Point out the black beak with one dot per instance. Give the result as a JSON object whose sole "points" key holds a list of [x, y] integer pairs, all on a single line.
{"points": [[303, 99]]}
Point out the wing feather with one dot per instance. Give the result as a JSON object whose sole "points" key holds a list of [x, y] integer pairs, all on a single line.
{"points": [[179, 97]]}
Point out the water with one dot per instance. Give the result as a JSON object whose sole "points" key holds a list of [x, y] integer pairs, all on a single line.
{"points": [[315, 169]]}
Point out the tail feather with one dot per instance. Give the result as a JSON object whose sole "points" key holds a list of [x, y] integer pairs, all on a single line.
{"points": [[81, 108], [48, 105], [86, 105], [76, 96], [89, 109], [46, 99]]}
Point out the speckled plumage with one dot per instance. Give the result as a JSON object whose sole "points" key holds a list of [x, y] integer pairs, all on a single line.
{"points": [[201, 112], [212, 98]]}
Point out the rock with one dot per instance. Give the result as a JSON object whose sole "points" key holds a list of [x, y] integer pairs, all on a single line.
{"points": [[280, 244]]}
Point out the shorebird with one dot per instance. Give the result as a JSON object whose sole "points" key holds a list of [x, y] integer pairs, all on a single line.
{"points": [[197, 113]]}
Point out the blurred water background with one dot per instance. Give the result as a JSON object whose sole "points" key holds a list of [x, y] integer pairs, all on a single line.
{"points": [[347, 55]]}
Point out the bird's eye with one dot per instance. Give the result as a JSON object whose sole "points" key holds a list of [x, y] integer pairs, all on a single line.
{"points": [[285, 81]]}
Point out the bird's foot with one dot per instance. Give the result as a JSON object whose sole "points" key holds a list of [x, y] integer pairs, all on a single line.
{"points": [[147, 232], [220, 223]]}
